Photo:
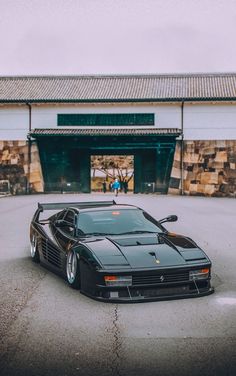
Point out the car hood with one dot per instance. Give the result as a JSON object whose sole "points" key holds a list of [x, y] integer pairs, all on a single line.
{"points": [[146, 251]]}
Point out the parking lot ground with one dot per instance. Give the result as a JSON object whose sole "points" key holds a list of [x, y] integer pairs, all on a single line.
{"points": [[46, 328]]}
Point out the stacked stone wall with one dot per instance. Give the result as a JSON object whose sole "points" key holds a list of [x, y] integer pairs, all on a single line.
{"points": [[209, 169], [14, 167]]}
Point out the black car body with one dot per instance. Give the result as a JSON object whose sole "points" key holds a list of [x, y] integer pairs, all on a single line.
{"points": [[118, 253]]}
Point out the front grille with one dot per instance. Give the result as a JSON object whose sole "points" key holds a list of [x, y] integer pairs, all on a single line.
{"points": [[159, 278]]}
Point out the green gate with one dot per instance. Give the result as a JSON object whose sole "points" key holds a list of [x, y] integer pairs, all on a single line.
{"points": [[65, 160]]}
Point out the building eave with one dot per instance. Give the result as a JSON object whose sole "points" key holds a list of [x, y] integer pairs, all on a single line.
{"points": [[104, 132], [129, 100]]}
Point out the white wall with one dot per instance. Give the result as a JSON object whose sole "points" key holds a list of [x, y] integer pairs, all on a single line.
{"points": [[201, 121], [14, 122], [166, 116], [14, 119], [210, 121]]}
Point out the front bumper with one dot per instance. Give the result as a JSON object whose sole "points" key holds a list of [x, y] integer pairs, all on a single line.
{"points": [[151, 293]]}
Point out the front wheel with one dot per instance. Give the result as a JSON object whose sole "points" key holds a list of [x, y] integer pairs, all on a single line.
{"points": [[34, 249], [72, 270]]}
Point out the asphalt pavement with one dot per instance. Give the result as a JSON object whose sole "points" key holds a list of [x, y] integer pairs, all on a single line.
{"points": [[47, 328]]}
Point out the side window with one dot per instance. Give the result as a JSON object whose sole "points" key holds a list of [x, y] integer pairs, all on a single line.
{"points": [[69, 222]]}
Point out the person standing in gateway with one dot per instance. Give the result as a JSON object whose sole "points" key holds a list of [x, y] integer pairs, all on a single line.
{"points": [[104, 186], [116, 186]]}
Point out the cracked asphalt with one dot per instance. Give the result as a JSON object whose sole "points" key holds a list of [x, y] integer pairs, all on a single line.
{"points": [[47, 328]]}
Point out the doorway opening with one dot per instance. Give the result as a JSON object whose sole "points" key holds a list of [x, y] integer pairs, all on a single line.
{"points": [[106, 168]]}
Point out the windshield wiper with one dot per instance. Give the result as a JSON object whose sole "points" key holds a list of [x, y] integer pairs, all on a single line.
{"points": [[98, 233], [138, 232]]}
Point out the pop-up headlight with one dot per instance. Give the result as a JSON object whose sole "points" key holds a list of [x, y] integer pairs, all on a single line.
{"points": [[118, 280], [199, 274]]}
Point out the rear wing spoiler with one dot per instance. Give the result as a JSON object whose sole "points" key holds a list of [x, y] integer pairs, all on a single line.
{"points": [[63, 205]]}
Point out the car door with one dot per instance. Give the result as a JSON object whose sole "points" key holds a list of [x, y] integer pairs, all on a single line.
{"points": [[51, 251], [66, 233]]}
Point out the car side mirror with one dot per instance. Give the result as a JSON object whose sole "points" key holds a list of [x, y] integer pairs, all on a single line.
{"points": [[170, 218]]}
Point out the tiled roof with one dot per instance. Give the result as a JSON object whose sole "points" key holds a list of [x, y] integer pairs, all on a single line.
{"points": [[118, 88], [105, 132]]}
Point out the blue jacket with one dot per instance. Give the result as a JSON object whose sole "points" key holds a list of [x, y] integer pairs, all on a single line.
{"points": [[116, 185]]}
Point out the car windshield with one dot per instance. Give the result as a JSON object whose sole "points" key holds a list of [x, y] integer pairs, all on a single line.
{"points": [[117, 222]]}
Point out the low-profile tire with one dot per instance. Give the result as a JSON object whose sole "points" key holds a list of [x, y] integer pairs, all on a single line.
{"points": [[72, 270], [34, 251]]}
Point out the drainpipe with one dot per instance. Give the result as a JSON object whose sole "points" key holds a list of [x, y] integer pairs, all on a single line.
{"points": [[29, 149], [30, 112], [182, 149]]}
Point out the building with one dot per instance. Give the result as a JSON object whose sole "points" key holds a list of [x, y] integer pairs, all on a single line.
{"points": [[180, 130]]}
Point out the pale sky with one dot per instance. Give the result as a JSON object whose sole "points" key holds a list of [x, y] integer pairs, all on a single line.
{"points": [[57, 37]]}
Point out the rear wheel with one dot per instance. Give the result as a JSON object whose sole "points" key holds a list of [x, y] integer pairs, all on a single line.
{"points": [[34, 249], [72, 270]]}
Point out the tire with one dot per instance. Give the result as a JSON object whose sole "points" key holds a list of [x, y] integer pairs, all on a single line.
{"points": [[72, 270], [34, 249]]}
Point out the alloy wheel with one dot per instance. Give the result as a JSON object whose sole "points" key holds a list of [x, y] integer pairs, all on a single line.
{"points": [[33, 246], [71, 267]]}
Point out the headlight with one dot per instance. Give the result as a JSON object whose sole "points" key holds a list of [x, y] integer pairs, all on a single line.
{"points": [[199, 274], [118, 280]]}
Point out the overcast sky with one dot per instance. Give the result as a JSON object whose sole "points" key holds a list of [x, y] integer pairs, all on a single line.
{"points": [[117, 36]]}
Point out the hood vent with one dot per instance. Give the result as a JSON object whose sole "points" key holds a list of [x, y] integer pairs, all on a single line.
{"points": [[137, 240], [193, 255]]}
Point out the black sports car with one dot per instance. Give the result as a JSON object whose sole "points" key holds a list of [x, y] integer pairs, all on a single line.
{"points": [[118, 253]]}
